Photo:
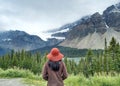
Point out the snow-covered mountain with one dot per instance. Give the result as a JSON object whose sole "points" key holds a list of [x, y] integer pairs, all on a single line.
{"points": [[92, 32], [18, 40], [61, 32]]}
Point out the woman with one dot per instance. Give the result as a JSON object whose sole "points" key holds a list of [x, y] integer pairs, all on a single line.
{"points": [[54, 70]]}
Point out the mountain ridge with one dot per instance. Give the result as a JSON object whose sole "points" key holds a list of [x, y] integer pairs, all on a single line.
{"points": [[91, 32], [19, 40]]}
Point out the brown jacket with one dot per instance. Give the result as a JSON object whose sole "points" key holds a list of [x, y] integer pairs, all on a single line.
{"points": [[54, 78]]}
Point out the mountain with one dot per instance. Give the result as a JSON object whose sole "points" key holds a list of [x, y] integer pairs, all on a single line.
{"points": [[18, 40], [112, 17], [63, 30], [92, 31]]}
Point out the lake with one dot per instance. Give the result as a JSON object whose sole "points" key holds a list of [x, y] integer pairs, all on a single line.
{"points": [[76, 59]]}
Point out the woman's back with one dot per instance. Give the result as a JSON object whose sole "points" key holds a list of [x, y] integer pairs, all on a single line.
{"points": [[55, 78]]}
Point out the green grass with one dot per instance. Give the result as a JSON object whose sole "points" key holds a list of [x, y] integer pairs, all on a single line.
{"points": [[15, 73], [78, 80], [101, 80]]}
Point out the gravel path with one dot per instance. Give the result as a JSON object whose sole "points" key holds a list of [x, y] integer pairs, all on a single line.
{"points": [[11, 82]]}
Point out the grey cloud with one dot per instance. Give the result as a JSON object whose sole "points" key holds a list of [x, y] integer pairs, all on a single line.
{"points": [[51, 11], [2, 26], [52, 7]]}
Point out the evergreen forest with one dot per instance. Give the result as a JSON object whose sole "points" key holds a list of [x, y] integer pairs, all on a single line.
{"points": [[107, 61]]}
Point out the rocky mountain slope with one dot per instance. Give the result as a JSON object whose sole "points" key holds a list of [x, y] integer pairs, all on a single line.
{"points": [[91, 32], [18, 40]]}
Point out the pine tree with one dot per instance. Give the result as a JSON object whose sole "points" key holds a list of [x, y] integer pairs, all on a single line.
{"points": [[89, 66], [112, 47]]}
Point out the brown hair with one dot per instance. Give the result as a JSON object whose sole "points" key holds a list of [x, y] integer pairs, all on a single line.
{"points": [[54, 65]]}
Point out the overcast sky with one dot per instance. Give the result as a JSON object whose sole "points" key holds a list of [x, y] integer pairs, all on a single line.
{"points": [[37, 16]]}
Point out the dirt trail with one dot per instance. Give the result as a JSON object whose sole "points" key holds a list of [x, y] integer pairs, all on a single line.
{"points": [[11, 82]]}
